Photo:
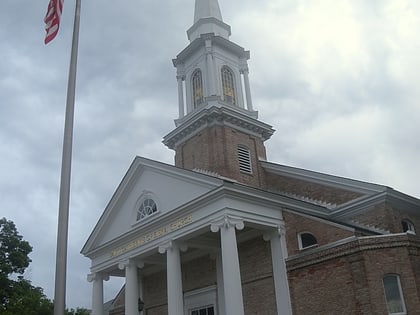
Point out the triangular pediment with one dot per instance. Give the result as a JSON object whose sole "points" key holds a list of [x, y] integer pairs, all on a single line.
{"points": [[168, 186]]}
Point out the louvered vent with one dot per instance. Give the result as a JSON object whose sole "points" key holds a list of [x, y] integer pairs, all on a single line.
{"points": [[244, 158]]}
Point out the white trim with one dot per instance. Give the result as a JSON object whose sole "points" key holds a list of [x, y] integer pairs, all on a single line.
{"points": [[411, 229], [397, 276], [200, 298], [300, 240], [146, 194], [323, 179]]}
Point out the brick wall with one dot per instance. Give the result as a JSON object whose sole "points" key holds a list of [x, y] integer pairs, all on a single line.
{"points": [[315, 191], [324, 233], [215, 149], [155, 293], [348, 279], [387, 217], [257, 277], [199, 273], [324, 288]]}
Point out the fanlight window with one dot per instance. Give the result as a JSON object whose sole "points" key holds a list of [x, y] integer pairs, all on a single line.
{"points": [[394, 295], [146, 209], [307, 240], [408, 227], [197, 88], [228, 85]]}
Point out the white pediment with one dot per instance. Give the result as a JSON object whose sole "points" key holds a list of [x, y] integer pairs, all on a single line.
{"points": [[168, 186]]}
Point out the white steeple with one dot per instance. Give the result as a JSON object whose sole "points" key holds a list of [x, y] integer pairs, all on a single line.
{"points": [[216, 115], [207, 20], [207, 8]]}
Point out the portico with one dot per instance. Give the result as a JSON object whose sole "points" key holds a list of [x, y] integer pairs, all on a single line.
{"points": [[222, 216]]}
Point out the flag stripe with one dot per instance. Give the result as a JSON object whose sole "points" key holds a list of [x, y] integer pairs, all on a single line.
{"points": [[52, 19]]}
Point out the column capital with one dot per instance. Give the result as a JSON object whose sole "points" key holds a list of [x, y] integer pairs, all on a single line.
{"points": [[280, 231], [207, 39], [244, 70], [226, 222], [180, 77], [96, 276], [163, 248], [209, 44], [130, 261]]}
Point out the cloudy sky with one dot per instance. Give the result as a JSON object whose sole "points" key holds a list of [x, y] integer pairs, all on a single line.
{"points": [[338, 79]]}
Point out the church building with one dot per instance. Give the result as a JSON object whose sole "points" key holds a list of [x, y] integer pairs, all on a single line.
{"points": [[226, 232]]}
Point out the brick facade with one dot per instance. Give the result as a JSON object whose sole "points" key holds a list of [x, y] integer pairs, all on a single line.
{"points": [[343, 279], [324, 232], [387, 217], [215, 149], [315, 191], [342, 274], [347, 279]]}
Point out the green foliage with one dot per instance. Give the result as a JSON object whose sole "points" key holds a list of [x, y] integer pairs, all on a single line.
{"points": [[14, 250], [20, 297], [14, 259], [27, 299], [78, 311]]}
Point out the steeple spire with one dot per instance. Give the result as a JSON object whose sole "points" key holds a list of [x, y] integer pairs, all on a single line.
{"points": [[207, 8], [208, 20], [217, 130]]}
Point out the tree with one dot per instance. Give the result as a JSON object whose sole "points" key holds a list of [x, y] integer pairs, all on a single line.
{"points": [[78, 311], [18, 295], [14, 258], [27, 299]]}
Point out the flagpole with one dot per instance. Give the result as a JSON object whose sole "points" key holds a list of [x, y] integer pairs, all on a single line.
{"points": [[63, 208]]}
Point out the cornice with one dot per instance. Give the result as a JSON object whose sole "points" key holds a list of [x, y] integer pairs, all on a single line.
{"points": [[209, 20], [217, 113], [395, 198], [323, 179], [199, 43], [350, 246]]}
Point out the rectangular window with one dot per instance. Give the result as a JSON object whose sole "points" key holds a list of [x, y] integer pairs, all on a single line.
{"points": [[201, 301], [208, 310], [394, 295], [244, 157]]}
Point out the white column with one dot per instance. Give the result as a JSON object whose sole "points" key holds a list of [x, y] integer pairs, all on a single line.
{"points": [[97, 292], [174, 278], [131, 287], [247, 89], [210, 69], [281, 284], [180, 79], [140, 286], [220, 286], [230, 263]]}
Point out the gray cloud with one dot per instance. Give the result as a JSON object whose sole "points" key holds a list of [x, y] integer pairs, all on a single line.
{"points": [[337, 80]]}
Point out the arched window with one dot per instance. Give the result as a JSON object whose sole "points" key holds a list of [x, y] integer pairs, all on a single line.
{"points": [[197, 88], [306, 240], [408, 227], [146, 209], [228, 85], [394, 295]]}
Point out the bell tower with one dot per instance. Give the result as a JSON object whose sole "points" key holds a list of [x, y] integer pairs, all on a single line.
{"points": [[217, 129]]}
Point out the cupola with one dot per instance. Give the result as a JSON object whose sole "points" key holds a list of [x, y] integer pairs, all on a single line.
{"points": [[217, 129]]}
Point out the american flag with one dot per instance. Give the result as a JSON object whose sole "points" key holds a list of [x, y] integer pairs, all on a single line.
{"points": [[52, 19]]}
